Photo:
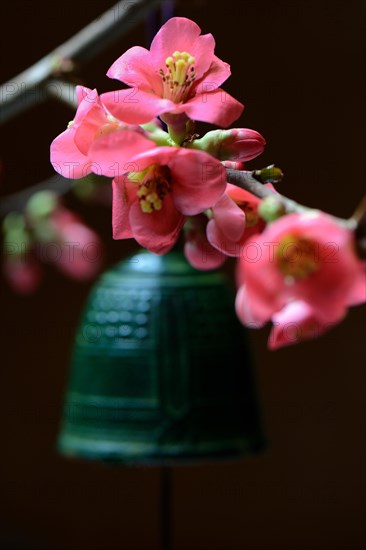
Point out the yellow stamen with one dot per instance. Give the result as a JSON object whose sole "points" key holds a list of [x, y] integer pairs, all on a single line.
{"points": [[178, 78], [297, 257], [146, 207], [153, 184]]}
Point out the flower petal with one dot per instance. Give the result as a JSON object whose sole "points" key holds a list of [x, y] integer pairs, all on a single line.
{"points": [[157, 231], [215, 106], [88, 100], [199, 181], [201, 255], [217, 73], [135, 68], [112, 153], [229, 218], [157, 155], [124, 193], [296, 322], [203, 52], [86, 127], [81, 93], [66, 158], [357, 294], [178, 34], [135, 106], [244, 311], [221, 242]]}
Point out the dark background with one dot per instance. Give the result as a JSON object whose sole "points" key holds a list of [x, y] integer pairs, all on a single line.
{"points": [[299, 68]]}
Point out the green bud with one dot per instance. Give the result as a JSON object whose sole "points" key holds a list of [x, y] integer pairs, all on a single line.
{"points": [[13, 221], [270, 174], [41, 205], [270, 209], [18, 240], [45, 232]]}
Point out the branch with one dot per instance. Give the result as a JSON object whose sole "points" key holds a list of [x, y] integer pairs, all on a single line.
{"points": [[17, 201], [28, 88], [247, 181]]}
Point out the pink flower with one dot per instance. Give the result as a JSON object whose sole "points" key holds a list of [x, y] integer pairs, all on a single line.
{"points": [[305, 258], [179, 75], [296, 322], [72, 152], [233, 219], [197, 250], [225, 230], [79, 251], [168, 184], [23, 273]]}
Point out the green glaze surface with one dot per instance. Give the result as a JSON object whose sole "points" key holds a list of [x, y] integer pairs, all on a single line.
{"points": [[160, 370]]}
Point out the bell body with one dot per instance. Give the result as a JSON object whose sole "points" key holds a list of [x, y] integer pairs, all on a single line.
{"points": [[160, 371]]}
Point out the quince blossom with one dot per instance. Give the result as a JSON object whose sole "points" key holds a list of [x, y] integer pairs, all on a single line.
{"points": [[180, 75], [232, 220], [23, 273], [80, 248], [299, 259], [72, 152], [166, 185], [197, 250]]}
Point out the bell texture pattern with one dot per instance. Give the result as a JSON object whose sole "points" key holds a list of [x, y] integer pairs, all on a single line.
{"points": [[160, 370]]}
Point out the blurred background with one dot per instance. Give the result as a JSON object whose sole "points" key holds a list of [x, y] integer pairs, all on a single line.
{"points": [[297, 66]]}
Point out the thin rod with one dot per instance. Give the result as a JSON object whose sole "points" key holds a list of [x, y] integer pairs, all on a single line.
{"points": [[166, 507]]}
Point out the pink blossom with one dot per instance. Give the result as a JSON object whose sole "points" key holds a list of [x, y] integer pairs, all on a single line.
{"points": [[226, 228], [167, 184], [197, 250], [72, 152], [79, 250], [296, 322], [306, 258], [179, 75], [23, 273], [232, 220]]}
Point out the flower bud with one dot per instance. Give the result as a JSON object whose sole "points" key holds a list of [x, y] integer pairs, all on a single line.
{"points": [[270, 174], [236, 144], [41, 205], [270, 209]]}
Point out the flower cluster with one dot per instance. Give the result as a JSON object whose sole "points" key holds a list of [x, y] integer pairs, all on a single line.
{"points": [[299, 270], [165, 181], [48, 233]]}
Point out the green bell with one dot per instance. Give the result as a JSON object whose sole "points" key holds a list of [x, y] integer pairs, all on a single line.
{"points": [[160, 371]]}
